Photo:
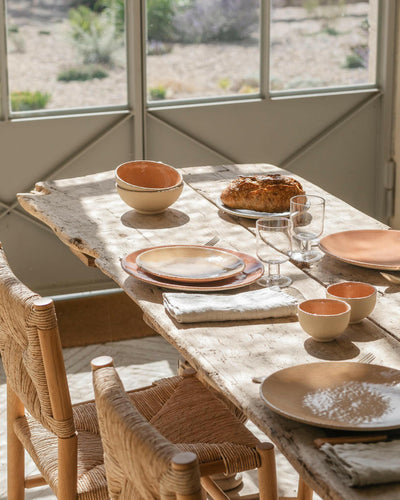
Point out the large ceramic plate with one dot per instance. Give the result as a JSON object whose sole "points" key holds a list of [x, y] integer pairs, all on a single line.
{"points": [[190, 263], [372, 248], [336, 395], [253, 270], [248, 214]]}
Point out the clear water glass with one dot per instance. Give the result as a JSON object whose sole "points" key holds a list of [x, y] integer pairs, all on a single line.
{"points": [[273, 248], [307, 214]]}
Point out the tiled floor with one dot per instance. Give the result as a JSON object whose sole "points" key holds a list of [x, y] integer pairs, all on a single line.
{"points": [[139, 361]]}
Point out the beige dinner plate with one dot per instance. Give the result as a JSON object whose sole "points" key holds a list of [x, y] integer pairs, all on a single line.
{"points": [[336, 395], [253, 270], [247, 214], [372, 248], [190, 263]]}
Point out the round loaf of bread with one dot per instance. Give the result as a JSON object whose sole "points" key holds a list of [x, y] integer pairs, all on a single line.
{"points": [[261, 193]]}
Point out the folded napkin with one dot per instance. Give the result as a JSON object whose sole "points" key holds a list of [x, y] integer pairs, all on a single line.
{"points": [[361, 464], [257, 304]]}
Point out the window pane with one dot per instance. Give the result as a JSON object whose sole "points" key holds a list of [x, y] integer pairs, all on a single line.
{"points": [[322, 43], [66, 53], [200, 48]]}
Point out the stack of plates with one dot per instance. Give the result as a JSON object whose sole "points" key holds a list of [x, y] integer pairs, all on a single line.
{"points": [[193, 267]]}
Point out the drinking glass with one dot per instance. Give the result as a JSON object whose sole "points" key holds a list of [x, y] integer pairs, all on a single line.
{"points": [[307, 213], [273, 247]]}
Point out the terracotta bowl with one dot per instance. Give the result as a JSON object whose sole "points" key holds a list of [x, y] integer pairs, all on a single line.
{"points": [[360, 296], [143, 175], [324, 319], [150, 202]]}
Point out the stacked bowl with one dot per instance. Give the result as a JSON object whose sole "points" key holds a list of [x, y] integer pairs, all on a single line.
{"points": [[149, 187]]}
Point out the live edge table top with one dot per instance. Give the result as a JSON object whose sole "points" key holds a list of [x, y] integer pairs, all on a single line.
{"points": [[87, 214]]}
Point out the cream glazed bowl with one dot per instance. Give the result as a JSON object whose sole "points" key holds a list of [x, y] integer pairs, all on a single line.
{"points": [[150, 202], [324, 319], [360, 296]]}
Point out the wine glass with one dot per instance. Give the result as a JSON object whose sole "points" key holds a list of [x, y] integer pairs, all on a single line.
{"points": [[307, 213], [273, 247]]}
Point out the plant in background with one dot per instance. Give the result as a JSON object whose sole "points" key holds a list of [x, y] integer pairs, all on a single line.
{"points": [[157, 93], [82, 73], [26, 100], [96, 35], [224, 83], [354, 61], [156, 48], [202, 21], [160, 15]]}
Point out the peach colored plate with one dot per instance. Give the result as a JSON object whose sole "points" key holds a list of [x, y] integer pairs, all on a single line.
{"points": [[336, 395], [253, 270], [190, 263], [372, 248]]}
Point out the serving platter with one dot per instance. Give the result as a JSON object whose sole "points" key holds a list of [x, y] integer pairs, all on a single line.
{"points": [[252, 271], [336, 395], [248, 214], [371, 248], [190, 263]]}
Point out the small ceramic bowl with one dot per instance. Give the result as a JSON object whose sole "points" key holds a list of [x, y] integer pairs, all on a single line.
{"points": [[324, 319], [360, 296], [150, 202], [143, 175]]}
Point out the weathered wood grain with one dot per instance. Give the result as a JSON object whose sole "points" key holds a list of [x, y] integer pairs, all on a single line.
{"points": [[87, 214]]}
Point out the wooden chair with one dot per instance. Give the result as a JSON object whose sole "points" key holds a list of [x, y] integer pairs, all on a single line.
{"points": [[63, 440], [159, 440]]}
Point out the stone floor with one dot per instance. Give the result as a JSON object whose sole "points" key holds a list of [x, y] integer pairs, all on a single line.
{"points": [[139, 361]]}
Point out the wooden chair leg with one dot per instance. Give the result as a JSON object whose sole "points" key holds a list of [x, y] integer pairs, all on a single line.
{"points": [[267, 481], [183, 463], [304, 492], [15, 450], [67, 468]]}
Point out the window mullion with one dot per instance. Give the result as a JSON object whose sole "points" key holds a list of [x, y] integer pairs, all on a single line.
{"points": [[265, 15], [3, 63]]}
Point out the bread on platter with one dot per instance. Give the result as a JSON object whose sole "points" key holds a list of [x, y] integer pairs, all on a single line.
{"points": [[261, 193]]}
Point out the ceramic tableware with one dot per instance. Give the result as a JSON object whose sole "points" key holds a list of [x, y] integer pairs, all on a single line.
{"points": [[371, 248], [150, 202], [144, 175], [324, 319], [360, 296], [337, 395]]}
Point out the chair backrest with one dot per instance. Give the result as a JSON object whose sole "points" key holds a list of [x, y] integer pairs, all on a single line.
{"points": [[31, 353], [139, 461]]}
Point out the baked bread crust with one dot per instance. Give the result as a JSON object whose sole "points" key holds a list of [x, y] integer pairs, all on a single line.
{"points": [[261, 193]]}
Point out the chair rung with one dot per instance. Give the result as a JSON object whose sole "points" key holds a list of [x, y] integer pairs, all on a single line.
{"points": [[34, 481], [213, 489]]}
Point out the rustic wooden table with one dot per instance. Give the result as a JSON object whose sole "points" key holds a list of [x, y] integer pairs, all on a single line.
{"points": [[87, 215]]}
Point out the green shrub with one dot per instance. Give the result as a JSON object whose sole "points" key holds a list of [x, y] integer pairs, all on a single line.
{"points": [[96, 35], [158, 93], [160, 15], [44, 32], [82, 73], [354, 61], [26, 100]]}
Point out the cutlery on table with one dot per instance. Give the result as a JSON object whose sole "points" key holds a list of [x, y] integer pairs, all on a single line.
{"points": [[214, 240], [392, 278]]}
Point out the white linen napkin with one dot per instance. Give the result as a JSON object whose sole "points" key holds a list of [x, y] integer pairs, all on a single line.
{"points": [[256, 304], [361, 464]]}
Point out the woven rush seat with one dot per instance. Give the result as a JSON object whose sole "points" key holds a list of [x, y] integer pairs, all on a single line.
{"points": [[189, 415], [168, 440], [63, 441], [42, 446]]}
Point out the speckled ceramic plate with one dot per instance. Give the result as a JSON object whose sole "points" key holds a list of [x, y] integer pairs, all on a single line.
{"points": [[371, 248], [253, 270], [336, 395], [190, 263]]}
